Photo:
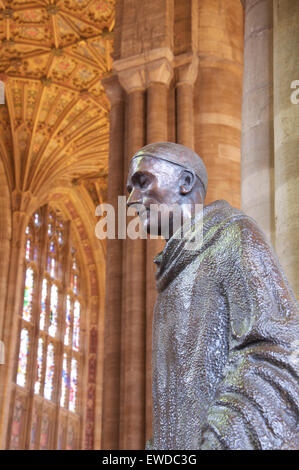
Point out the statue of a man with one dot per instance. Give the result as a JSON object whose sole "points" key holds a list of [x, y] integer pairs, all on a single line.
{"points": [[226, 322]]}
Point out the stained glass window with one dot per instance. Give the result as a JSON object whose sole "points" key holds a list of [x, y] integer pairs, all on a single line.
{"points": [[73, 385], [52, 279], [32, 237], [48, 391], [23, 358], [74, 282], [53, 310], [42, 320], [28, 249], [59, 232], [50, 224], [67, 321], [65, 381], [40, 351], [28, 294], [76, 327], [29, 242]]}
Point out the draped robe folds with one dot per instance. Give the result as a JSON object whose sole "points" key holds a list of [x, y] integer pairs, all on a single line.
{"points": [[225, 341]]}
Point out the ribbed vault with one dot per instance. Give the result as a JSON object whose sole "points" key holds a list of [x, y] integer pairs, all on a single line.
{"points": [[54, 124], [54, 138]]}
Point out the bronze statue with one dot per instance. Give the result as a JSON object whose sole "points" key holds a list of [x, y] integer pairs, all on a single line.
{"points": [[226, 322]]}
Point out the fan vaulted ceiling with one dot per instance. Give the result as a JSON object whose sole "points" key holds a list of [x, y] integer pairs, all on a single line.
{"points": [[54, 123]]}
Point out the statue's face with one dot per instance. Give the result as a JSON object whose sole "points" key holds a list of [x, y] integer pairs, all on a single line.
{"points": [[152, 182]]}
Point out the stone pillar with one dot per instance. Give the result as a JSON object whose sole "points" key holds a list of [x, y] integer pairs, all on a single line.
{"points": [[218, 96], [112, 337], [207, 111], [186, 75], [132, 405], [286, 131], [5, 251], [159, 75], [5, 238], [151, 72], [20, 217], [257, 174]]}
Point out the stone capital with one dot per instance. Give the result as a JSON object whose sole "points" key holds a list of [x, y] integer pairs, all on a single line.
{"points": [[132, 79], [113, 89], [22, 201], [140, 71], [159, 71], [186, 69]]}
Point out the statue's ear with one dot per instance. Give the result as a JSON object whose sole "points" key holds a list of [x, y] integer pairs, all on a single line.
{"points": [[187, 181]]}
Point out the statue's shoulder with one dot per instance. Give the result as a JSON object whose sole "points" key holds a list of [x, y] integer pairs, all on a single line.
{"points": [[235, 219], [234, 232]]}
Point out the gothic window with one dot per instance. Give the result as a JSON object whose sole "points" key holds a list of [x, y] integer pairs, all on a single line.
{"points": [[49, 360]]}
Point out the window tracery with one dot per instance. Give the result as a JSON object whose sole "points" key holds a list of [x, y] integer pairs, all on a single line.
{"points": [[50, 353]]}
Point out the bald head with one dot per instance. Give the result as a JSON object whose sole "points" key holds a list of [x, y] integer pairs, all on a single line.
{"points": [[178, 155]]}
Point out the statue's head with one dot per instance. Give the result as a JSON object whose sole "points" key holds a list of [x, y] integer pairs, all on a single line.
{"points": [[165, 173]]}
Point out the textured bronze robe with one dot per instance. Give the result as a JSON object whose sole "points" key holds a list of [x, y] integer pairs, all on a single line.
{"points": [[225, 333]]}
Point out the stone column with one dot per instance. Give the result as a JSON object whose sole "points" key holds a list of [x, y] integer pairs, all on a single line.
{"points": [[186, 74], [132, 405], [112, 336], [159, 75], [20, 217], [257, 168], [218, 96], [5, 238], [151, 72], [286, 131], [5, 251]]}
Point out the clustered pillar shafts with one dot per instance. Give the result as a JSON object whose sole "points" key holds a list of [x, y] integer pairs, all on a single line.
{"points": [[133, 313], [151, 72], [5, 238], [159, 76], [186, 76], [270, 163], [5, 320], [286, 137], [114, 274], [257, 130], [11, 327], [218, 96]]}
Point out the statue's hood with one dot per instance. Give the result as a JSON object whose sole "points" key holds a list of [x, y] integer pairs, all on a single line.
{"points": [[175, 257]]}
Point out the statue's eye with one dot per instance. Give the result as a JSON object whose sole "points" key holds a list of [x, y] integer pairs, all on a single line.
{"points": [[142, 181]]}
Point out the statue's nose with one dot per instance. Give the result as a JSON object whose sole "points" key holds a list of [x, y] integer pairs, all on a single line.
{"points": [[134, 198]]}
